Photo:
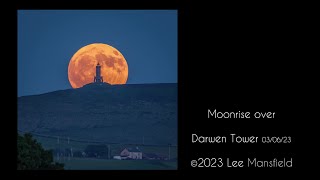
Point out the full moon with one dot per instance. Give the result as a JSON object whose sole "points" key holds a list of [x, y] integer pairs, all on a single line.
{"points": [[82, 66]]}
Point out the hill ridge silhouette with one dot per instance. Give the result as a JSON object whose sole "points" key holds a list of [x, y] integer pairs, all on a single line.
{"points": [[121, 113]]}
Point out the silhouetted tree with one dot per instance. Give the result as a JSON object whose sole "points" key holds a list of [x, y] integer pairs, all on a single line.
{"points": [[31, 155]]}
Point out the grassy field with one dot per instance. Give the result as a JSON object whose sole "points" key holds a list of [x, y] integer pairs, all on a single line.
{"points": [[77, 163], [102, 164], [115, 149]]}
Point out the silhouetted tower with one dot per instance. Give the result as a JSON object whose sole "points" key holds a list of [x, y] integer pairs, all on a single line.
{"points": [[98, 78]]}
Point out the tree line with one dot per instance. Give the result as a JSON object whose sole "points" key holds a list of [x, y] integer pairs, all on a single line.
{"points": [[32, 156]]}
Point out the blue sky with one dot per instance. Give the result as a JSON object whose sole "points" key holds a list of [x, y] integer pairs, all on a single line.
{"points": [[47, 39]]}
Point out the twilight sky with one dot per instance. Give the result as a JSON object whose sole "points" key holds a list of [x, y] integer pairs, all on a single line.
{"points": [[47, 39]]}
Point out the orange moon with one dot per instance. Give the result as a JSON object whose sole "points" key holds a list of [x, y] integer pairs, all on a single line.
{"points": [[82, 66]]}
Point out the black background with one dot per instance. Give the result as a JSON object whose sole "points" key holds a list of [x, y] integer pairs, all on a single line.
{"points": [[238, 57], [232, 57]]}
